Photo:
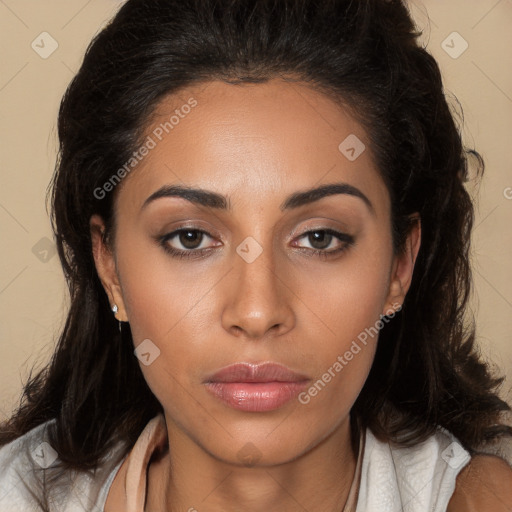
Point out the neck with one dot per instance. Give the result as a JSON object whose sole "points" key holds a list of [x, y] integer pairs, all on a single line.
{"points": [[191, 479]]}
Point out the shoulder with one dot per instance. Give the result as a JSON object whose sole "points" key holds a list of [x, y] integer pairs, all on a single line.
{"points": [[18, 470], [418, 477], [29, 462], [485, 484]]}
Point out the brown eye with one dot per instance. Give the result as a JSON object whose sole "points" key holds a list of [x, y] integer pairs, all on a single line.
{"points": [[325, 242], [190, 238], [187, 243], [319, 239]]}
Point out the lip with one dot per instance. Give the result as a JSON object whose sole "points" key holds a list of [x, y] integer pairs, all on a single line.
{"points": [[256, 372], [256, 387]]}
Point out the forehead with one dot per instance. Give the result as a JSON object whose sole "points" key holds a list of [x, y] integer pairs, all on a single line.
{"points": [[252, 142]]}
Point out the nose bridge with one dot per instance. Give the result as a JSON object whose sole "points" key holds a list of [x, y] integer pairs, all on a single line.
{"points": [[255, 268], [257, 299]]}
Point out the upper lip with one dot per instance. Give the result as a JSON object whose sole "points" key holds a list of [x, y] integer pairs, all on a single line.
{"points": [[250, 372]]}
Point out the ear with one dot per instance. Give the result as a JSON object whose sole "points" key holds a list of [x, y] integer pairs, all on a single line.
{"points": [[106, 266], [403, 266]]}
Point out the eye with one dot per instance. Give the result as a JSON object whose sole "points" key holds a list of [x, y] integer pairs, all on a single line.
{"points": [[321, 239], [186, 242]]}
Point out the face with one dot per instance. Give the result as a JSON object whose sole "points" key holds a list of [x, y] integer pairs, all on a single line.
{"points": [[259, 274]]}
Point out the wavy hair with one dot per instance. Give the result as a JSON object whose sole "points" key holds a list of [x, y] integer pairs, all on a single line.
{"points": [[364, 54]]}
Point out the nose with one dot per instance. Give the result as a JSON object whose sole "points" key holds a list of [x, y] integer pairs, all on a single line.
{"points": [[257, 299]]}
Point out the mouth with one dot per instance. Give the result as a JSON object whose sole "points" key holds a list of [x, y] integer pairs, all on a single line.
{"points": [[256, 387]]}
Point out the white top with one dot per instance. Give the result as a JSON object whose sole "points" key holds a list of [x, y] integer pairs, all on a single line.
{"points": [[392, 479]]}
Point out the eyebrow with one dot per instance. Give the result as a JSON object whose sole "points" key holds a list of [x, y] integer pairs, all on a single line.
{"points": [[217, 201]]}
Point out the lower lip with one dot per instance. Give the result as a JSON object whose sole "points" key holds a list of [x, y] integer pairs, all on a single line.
{"points": [[256, 396]]}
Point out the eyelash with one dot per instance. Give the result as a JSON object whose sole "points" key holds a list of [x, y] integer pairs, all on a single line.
{"points": [[199, 253]]}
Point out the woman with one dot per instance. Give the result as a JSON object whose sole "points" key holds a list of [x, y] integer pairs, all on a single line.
{"points": [[260, 210]]}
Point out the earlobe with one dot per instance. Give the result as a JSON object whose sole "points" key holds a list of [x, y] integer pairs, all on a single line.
{"points": [[106, 267], [403, 265]]}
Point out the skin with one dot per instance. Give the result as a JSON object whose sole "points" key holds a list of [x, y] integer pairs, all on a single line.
{"points": [[485, 484], [255, 144]]}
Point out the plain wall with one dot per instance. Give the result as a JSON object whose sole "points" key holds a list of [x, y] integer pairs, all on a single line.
{"points": [[33, 296]]}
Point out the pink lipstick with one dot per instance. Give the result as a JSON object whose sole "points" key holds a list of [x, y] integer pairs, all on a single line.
{"points": [[256, 387]]}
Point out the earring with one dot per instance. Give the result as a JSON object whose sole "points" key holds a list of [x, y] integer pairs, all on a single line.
{"points": [[114, 310]]}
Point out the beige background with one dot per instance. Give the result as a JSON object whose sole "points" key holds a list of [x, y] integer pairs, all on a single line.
{"points": [[32, 289]]}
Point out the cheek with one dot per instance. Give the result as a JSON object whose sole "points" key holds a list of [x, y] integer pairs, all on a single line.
{"points": [[157, 297], [342, 354], [349, 297], [347, 304], [169, 308]]}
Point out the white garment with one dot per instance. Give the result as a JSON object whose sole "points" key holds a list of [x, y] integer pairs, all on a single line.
{"points": [[26, 461], [414, 479], [393, 479]]}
